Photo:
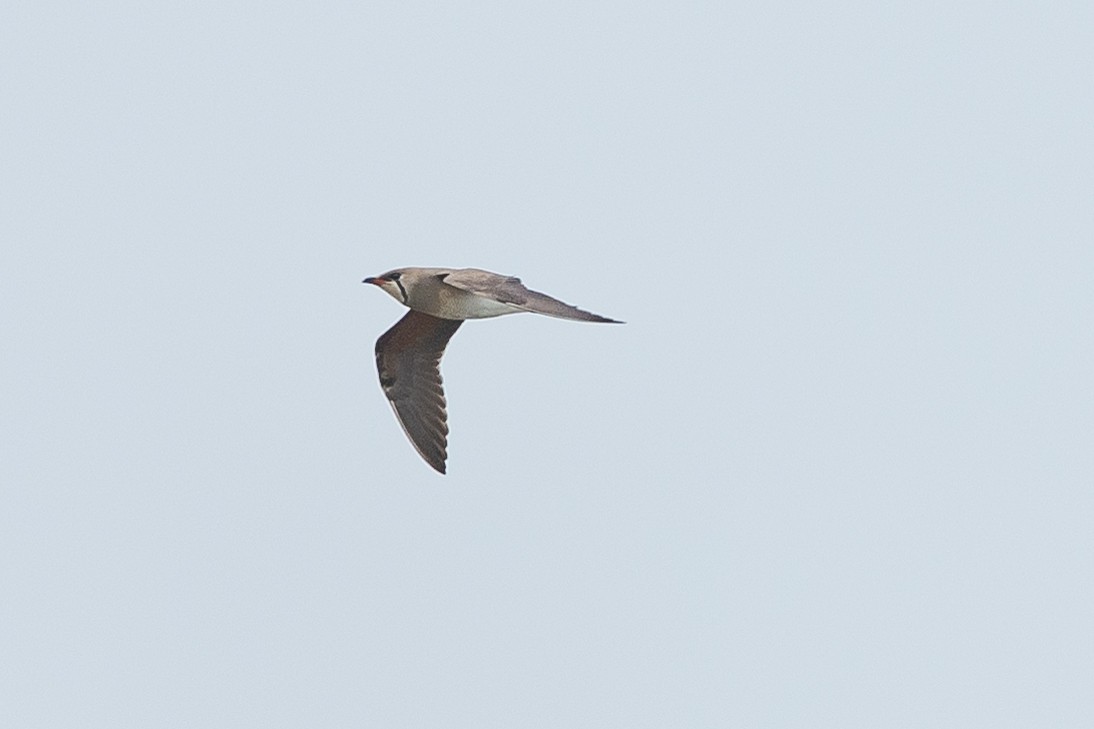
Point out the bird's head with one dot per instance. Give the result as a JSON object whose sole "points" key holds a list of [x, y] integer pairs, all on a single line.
{"points": [[391, 282]]}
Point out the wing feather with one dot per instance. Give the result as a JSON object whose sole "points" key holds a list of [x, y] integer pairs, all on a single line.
{"points": [[510, 290], [408, 358]]}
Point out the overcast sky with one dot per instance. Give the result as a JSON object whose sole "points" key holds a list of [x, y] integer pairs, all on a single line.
{"points": [[835, 471]]}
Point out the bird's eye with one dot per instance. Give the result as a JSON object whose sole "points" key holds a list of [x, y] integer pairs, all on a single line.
{"points": [[393, 276]]}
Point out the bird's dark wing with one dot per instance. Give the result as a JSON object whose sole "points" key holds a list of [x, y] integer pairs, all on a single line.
{"points": [[509, 290], [408, 357]]}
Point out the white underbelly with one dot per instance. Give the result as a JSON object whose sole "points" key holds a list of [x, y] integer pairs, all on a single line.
{"points": [[459, 304]]}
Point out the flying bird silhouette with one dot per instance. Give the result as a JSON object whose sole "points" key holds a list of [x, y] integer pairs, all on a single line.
{"points": [[408, 356]]}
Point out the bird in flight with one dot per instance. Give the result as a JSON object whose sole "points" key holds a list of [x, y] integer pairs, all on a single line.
{"points": [[408, 355]]}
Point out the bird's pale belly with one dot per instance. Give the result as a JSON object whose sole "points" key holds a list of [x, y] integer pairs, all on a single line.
{"points": [[448, 302]]}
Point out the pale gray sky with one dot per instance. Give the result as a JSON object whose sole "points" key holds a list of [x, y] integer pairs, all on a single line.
{"points": [[835, 471]]}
